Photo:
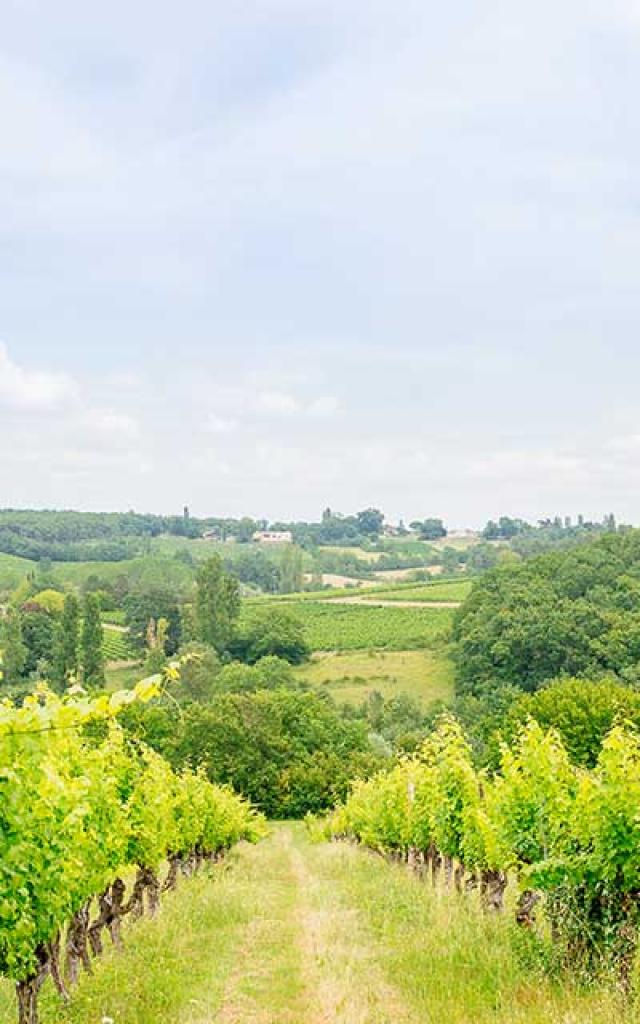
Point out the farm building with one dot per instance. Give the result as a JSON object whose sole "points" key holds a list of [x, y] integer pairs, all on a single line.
{"points": [[272, 537]]}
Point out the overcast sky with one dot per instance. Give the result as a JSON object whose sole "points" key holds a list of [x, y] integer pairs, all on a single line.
{"points": [[262, 257]]}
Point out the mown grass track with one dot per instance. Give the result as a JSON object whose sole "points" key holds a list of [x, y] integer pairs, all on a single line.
{"points": [[293, 933]]}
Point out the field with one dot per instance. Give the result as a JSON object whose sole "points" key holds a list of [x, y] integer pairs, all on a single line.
{"points": [[363, 556], [456, 590], [13, 570], [293, 933], [331, 626], [351, 676], [115, 645]]}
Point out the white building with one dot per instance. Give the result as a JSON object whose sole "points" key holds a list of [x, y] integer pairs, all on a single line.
{"points": [[272, 537]]}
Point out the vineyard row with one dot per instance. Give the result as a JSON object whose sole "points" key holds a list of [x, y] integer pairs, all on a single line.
{"points": [[562, 835], [82, 808]]}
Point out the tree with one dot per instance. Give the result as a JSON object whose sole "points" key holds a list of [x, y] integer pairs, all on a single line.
{"points": [[429, 529], [51, 600], [92, 656], [65, 660], [290, 751], [370, 521], [153, 602], [156, 646], [38, 632], [582, 712], [271, 631], [14, 651], [505, 528], [217, 604], [571, 612], [291, 575]]}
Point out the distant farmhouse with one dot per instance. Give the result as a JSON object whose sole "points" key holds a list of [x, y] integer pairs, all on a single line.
{"points": [[211, 535], [218, 537], [272, 537]]}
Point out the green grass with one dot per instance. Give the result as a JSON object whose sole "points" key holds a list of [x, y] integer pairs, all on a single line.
{"points": [[359, 553], [293, 933], [184, 965], [351, 676], [344, 627], [13, 570], [123, 677], [114, 617], [446, 960]]}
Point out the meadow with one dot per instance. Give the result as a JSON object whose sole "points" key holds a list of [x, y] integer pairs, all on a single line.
{"points": [[426, 676]]}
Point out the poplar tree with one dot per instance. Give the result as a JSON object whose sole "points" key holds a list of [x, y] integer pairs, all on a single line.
{"points": [[65, 660], [92, 656], [217, 604], [14, 650]]}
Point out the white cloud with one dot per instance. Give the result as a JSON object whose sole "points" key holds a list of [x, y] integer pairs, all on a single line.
{"points": [[529, 465], [276, 403], [219, 425], [109, 426], [324, 407], [33, 389]]}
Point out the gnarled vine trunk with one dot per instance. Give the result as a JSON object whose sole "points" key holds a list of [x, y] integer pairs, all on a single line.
{"points": [[27, 991], [525, 908], [110, 910], [448, 871], [436, 862], [77, 943], [53, 953], [175, 865], [492, 887]]}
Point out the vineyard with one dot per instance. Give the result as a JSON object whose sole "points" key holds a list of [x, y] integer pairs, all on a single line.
{"points": [[82, 810], [567, 840], [456, 590], [115, 645], [355, 627]]}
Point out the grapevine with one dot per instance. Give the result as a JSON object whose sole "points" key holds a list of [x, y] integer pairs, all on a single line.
{"points": [[77, 814], [555, 832]]}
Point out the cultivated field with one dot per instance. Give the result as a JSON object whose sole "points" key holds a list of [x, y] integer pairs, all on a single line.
{"points": [[332, 626], [456, 590]]}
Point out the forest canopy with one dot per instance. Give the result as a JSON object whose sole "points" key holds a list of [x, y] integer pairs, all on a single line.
{"points": [[573, 612]]}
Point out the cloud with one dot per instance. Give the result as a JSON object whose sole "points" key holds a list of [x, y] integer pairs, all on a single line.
{"points": [[109, 427], [33, 390], [283, 404], [219, 425], [276, 403], [324, 407]]}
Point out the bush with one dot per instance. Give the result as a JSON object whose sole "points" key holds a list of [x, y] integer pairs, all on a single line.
{"points": [[272, 631], [289, 751]]}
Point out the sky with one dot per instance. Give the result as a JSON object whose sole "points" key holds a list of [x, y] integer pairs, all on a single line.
{"points": [[266, 257]]}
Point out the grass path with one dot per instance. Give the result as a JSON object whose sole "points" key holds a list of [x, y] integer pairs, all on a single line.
{"points": [[292, 933]]}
